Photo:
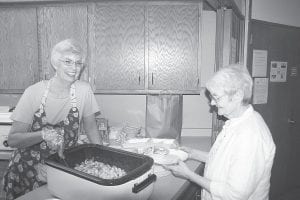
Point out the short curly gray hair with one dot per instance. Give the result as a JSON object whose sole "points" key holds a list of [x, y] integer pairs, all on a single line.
{"points": [[63, 47], [230, 79]]}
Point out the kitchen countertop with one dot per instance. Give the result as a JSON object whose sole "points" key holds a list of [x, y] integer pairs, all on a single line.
{"points": [[166, 187]]}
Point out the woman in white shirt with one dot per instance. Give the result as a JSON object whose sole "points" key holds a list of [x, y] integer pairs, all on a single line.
{"points": [[238, 166]]}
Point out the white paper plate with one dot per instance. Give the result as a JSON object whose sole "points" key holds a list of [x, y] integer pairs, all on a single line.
{"points": [[170, 159], [53, 199]]}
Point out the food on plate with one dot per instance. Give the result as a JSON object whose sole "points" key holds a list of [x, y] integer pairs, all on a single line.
{"points": [[161, 151], [147, 150], [100, 169], [169, 159]]}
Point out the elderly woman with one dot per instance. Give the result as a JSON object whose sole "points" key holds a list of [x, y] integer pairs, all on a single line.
{"points": [[46, 120], [238, 166]]}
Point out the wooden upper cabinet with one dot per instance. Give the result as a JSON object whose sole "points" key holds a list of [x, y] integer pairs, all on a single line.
{"points": [[18, 49], [57, 23], [117, 46], [130, 46], [173, 32]]}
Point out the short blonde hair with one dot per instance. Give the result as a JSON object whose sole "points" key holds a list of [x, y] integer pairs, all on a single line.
{"points": [[63, 47], [230, 79]]}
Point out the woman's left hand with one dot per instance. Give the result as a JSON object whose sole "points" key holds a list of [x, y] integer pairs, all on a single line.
{"points": [[179, 170], [54, 139]]}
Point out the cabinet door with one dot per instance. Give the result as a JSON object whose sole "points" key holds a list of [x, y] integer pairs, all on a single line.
{"points": [[233, 37], [18, 49], [117, 39], [173, 32], [57, 23]]}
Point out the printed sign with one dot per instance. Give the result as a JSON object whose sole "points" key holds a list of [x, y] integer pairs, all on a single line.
{"points": [[259, 63], [278, 71], [260, 91], [294, 71]]}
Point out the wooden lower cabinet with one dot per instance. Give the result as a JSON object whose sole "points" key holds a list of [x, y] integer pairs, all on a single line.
{"points": [[193, 192]]}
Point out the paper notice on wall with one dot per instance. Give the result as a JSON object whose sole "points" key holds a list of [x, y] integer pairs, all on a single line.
{"points": [[294, 71], [260, 90], [259, 63], [278, 71]]}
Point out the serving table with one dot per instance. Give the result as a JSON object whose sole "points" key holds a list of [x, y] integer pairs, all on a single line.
{"points": [[166, 187]]}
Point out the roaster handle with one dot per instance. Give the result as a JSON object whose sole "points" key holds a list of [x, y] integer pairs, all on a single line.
{"points": [[142, 185], [5, 143]]}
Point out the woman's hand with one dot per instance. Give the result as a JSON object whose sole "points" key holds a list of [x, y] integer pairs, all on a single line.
{"points": [[180, 170], [91, 130], [54, 139], [188, 150], [195, 154]]}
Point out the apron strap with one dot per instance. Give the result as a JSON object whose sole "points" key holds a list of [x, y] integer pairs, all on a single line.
{"points": [[73, 96], [44, 97]]}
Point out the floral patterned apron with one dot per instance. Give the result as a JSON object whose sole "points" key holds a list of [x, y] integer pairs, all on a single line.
{"points": [[23, 174]]}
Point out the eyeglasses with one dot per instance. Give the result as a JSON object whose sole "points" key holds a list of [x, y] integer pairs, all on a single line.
{"points": [[71, 63], [216, 99]]}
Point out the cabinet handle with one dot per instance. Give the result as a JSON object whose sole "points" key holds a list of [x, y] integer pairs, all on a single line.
{"points": [[291, 121], [152, 78], [139, 79]]}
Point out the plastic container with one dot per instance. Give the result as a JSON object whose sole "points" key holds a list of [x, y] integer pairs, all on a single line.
{"points": [[131, 131], [67, 183], [102, 124]]}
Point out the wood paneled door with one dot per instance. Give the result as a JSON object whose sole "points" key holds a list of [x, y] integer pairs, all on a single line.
{"points": [[173, 47], [18, 49], [57, 23], [117, 39], [132, 46]]}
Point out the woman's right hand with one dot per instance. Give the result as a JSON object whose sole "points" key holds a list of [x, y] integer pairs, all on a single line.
{"points": [[187, 150], [179, 170]]}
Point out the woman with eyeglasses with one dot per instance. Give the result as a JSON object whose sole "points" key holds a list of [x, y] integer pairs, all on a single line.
{"points": [[46, 120], [238, 166]]}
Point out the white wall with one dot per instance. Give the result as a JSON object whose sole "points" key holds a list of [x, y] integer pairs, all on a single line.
{"points": [[277, 11], [131, 109]]}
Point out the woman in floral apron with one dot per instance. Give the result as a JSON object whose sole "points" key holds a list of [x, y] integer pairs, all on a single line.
{"points": [[67, 100]]}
